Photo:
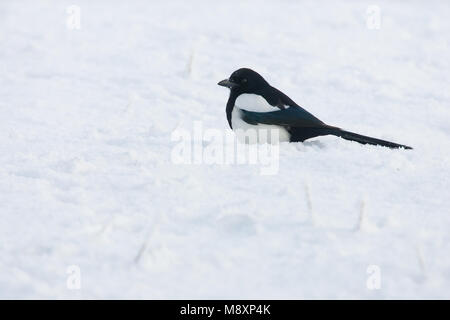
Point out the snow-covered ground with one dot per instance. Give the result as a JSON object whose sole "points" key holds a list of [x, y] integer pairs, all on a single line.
{"points": [[87, 178]]}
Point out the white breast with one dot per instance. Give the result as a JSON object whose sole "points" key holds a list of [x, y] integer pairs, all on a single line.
{"points": [[261, 133], [253, 102]]}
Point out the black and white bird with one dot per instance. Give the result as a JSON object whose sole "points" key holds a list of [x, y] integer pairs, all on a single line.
{"points": [[254, 104]]}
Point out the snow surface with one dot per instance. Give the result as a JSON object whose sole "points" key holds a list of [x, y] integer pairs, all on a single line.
{"points": [[86, 176]]}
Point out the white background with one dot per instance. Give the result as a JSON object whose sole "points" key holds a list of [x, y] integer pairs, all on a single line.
{"points": [[86, 176]]}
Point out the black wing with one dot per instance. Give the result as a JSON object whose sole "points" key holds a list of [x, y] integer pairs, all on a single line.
{"points": [[290, 113], [290, 117]]}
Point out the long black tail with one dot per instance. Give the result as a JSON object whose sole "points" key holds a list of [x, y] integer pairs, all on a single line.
{"points": [[347, 135]]}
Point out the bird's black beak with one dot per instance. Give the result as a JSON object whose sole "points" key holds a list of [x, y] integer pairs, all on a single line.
{"points": [[227, 83]]}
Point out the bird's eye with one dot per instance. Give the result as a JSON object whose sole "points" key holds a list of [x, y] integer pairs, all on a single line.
{"points": [[244, 80]]}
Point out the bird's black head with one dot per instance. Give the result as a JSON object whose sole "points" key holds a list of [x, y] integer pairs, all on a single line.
{"points": [[244, 80]]}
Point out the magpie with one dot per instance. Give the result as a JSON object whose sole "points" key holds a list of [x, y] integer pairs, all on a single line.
{"points": [[254, 104]]}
